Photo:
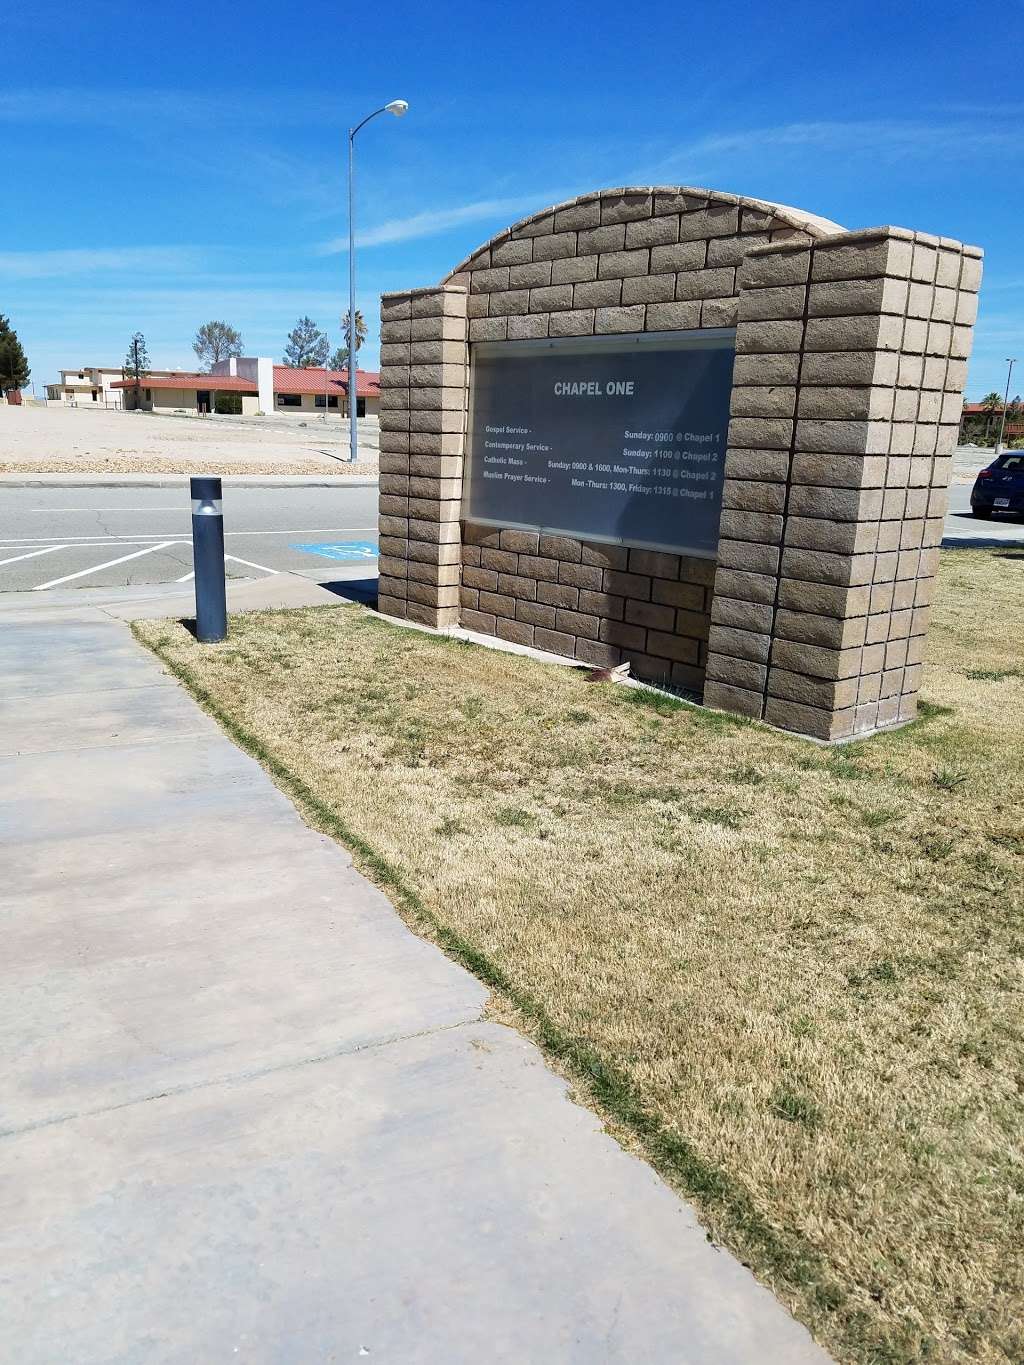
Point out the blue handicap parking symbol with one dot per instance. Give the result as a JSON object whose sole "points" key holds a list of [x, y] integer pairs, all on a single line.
{"points": [[357, 550]]}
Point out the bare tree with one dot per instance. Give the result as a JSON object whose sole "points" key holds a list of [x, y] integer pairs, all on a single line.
{"points": [[216, 341]]}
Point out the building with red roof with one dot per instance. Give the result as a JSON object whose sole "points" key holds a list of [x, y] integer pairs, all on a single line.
{"points": [[252, 385], [980, 419]]}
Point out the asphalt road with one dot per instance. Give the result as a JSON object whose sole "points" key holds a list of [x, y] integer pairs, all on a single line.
{"points": [[88, 537], [962, 526]]}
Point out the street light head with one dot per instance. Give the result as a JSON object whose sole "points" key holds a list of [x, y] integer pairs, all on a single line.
{"points": [[397, 107]]}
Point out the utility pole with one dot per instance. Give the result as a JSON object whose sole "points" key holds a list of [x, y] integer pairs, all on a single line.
{"points": [[353, 429], [327, 380], [1011, 361]]}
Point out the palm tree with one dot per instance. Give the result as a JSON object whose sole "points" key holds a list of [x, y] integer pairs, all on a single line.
{"points": [[342, 352], [990, 405]]}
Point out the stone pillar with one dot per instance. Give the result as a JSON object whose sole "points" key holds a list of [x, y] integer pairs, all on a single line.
{"points": [[424, 381], [851, 358]]}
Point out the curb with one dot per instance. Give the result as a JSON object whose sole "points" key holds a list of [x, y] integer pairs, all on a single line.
{"points": [[181, 480], [243, 594]]}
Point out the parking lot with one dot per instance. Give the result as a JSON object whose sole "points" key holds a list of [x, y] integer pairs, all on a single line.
{"points": [[88, 537], [962, 527], [93, 536]]}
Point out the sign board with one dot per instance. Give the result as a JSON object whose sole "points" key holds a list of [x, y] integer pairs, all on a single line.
{"points": [[618, 438]]}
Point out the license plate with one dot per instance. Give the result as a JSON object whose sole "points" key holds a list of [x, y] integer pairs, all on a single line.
{"points": [[1001, 502]]}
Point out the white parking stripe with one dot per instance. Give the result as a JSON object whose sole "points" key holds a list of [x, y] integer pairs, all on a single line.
{"points": [[18, 542], [71, 544], [98, 568], [185, 577], [250, 564], [68, 511], [32, 554], [83, 542]]}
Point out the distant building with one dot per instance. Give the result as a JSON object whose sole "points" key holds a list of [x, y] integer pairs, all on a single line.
{"points": [[312, 390], [250, 385], [89, 386], [979, 420]]}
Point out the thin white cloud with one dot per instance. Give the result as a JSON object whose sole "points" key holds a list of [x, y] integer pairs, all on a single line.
{"points": [[435, 221], [891, 140], [993, 109], [143, 107], [236, 124], [49, 265], [998, 329], [184, 305]]}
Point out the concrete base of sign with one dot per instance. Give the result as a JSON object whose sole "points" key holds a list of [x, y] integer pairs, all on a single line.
{"points": [[851, 353]]}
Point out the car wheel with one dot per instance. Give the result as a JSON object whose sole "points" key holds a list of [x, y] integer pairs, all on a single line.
{"points": [[983, 512]]}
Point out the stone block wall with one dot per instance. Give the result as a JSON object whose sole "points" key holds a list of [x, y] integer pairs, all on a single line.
{"points": [[851, 353], [424, 378], [589, 601], [851, 361], [621, 261]]}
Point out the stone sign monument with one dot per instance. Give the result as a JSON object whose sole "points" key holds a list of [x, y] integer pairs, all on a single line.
{"points": [[708, 435]]}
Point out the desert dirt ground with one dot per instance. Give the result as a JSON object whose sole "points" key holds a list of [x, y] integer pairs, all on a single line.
{"points": [[58, 440], [75, 440]]}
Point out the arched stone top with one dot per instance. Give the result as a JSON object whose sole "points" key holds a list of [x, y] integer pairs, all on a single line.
{"points": [[633, 202]]}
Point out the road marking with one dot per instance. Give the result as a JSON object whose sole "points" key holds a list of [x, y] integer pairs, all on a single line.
{"points": [[185, 577], [98, 568], [23, 542], [357, 550], [251, 565], [31, 554], [312, 531], [71, 544]]}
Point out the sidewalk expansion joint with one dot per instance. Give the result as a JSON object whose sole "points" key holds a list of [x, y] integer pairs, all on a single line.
{"points": [[239, 1078], [106, 744], [34, 692]]}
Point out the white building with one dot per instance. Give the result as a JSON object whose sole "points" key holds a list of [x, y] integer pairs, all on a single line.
{"points": [[246, 384], [90, 386], [251, 385]]}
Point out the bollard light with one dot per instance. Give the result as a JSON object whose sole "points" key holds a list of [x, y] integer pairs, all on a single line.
{"points": [[208, 559]]}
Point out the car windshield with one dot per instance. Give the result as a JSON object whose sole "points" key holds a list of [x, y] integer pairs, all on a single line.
{"points": [[1012, 463]]}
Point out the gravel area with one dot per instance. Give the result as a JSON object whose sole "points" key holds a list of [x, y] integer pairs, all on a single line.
{"points": [[75, 440]]}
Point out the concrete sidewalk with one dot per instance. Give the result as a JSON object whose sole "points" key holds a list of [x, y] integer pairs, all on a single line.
{"points": [[248, 1115]]}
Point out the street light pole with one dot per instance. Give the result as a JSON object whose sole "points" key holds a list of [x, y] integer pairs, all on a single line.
{"points": [[353, 438], [1011, 361], [398, 108]]}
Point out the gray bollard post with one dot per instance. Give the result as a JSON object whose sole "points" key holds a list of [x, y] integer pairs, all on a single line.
{"points": [[208, 558]]}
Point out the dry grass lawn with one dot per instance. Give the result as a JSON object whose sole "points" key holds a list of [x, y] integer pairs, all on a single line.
{"points": [[791, 975]]}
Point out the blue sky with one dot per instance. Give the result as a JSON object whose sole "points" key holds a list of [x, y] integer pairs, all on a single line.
{"points": [[166, 167]]}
